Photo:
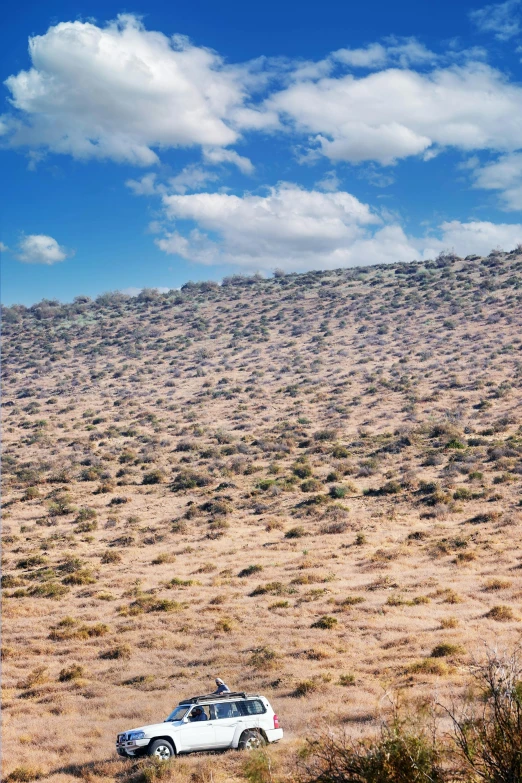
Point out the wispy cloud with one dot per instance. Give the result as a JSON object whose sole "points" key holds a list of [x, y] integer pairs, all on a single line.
{"points": [[501, 19]]}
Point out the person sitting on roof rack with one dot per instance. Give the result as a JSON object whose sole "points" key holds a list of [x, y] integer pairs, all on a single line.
{"points": [[198, 713], [221, 687]]}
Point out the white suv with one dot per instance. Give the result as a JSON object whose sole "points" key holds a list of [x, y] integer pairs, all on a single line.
{"points": [[233, 720]]}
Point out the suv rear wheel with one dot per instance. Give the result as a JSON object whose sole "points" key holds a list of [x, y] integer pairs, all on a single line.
{"points": [[250, 740], [161, 749]]}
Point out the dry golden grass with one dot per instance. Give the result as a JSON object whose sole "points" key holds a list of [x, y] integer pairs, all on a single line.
{"points": [[308, 486]]}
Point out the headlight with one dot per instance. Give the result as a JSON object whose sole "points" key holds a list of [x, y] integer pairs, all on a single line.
{"points": [[136, 735]]}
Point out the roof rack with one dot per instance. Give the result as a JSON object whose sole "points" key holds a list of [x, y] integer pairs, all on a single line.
{"points": [[206, 697]]}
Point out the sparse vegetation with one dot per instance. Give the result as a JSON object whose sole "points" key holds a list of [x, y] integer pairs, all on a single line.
{"points": [[188, 494]]}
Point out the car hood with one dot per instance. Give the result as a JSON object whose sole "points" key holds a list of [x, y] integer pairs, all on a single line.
{"points": [[155, 728]]}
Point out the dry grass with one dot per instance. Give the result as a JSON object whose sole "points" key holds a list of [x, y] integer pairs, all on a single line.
{"points": [[299, 485]]}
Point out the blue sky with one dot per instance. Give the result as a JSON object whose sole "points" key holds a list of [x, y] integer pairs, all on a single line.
{"points": [[146, 146]]}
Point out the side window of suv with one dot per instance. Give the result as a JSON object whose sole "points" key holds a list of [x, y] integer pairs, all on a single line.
{"points": [[227, 710], [252, 707]]}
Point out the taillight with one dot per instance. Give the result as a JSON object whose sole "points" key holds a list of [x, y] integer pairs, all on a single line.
{"points": [[276, 722]]}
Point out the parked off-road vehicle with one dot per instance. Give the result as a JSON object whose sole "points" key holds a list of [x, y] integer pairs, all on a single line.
{"points": [[233, 720]]}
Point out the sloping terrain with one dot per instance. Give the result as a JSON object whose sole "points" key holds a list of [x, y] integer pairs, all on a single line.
{"points": [[309, 486]]}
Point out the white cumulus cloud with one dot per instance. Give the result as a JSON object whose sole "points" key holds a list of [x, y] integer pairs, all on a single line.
{"points": [[299, 228], [41, 249], [295, 229], [123, 92], [396, 113]]}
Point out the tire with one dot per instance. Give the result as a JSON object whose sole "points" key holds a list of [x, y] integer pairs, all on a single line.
{"points": [[161, 749], [251, 740]]}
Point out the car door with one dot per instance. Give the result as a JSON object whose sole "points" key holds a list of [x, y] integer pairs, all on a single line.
{"points": [[196, 735], [226, 722]]}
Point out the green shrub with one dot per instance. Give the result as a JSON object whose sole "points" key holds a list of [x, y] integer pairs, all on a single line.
{"points": [[24, 775], [306, 687], [264, 658], [85, 514], [399, 754], [311, 485], [346, 680], [154, 477], [338, 492], [73, 672], [454, 443], [296, 532], [326, 622], [444, 648], [501, 613], [120, 652], [49, 590], [302, 470], [249, 570], [111, 556], [270, 588], [189, 479]]}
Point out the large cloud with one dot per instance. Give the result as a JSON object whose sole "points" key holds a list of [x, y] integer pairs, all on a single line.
{"points": [[295, 229], [122, 92], [396, 113], [41, 249]]}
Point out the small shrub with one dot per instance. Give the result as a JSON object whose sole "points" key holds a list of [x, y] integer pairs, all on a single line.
{"points": [[270, 588], [74, 672], [111, 556], [264, 658], [164, 557], [444, 649], [82, 577], [335, 528], [346, 680], [351, 600], [154, 477], [24, 775], [121, 652], [449, 622], [50, 590], [249, 570], [311, 485], [326, 622], [501, 613], [31, 493], [338, 492], [189, 479], [296, 532], [85, 514], [429, 666], [305, 687], [496, 584]]}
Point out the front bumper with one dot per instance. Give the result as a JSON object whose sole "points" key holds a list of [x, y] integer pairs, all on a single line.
{"points": [[132, 748]]}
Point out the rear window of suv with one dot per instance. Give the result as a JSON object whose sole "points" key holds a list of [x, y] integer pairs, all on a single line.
{"points": [[251, 707]]}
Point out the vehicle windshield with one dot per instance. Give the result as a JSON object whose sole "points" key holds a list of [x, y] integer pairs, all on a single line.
{"points": [[178, 714]]}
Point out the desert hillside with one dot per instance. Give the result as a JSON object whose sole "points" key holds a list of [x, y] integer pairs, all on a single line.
{"points": [[310, 486]]}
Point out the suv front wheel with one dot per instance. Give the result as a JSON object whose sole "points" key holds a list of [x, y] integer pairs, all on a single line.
{"points": [[161, 749], [250, 740]]}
